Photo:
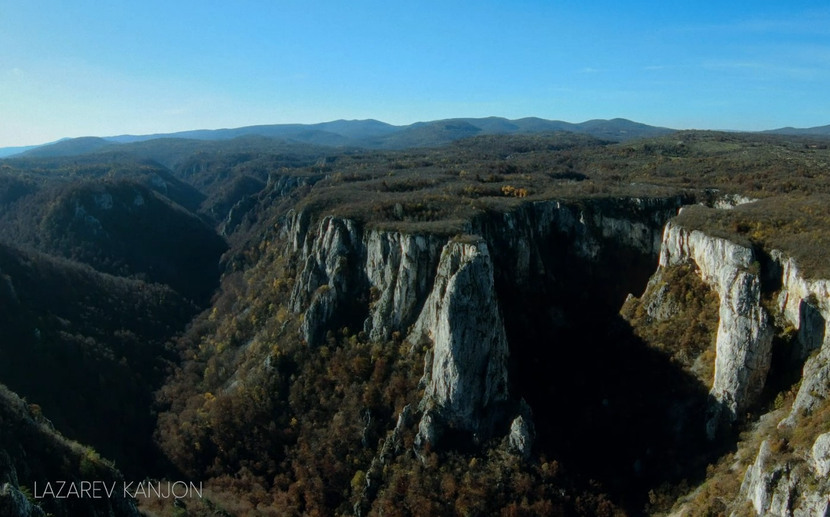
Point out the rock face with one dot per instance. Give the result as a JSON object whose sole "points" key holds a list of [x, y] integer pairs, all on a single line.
{"points": [[794, 484], [805, 304], [771, 490], [13, 503], [788, 489], [466, 380], [339, 261], [798, 485], [342, 267], [400, 269], [520, 439], [634, 223], [820, 455], [744, 340], [442, 292], [392, 281], [328, 279]]}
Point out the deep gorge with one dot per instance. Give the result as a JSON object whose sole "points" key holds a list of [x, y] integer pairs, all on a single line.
{"points": [[612, 409], [526, 325]]}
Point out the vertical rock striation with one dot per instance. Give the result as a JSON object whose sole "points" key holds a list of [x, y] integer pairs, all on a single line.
{"points": [[805, 305], [798, 484], [327, 281], [744, 340], [377, 279], [466, 379], [400, 269], [443, 293]]}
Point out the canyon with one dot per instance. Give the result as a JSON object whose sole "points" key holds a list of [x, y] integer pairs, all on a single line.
{"points": [[519, 325]]}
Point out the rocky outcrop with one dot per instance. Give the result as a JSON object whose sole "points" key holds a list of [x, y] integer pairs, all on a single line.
{"points": [[346, 274], [815, 386], [770, 489], [442, 292], [794, 483], [744, 339], [397, 269], [520, 439], [730, 201], [13, 503], [804, 304], [787, 489], [634, 223], [820, 455], [798, 485], [331, 261], [466, 379], [400, 270]]}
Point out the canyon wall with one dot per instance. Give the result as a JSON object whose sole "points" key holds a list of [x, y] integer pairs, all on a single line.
{"points": [[446, 291]]}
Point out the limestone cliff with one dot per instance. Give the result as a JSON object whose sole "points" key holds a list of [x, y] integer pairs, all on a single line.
{"points": [[790, 488], [346, 273], [805, 305], [634, 223], [389, 281], [400, 269], [797, 484], [327, 280], [445, 292], [744, 336], [785, 477], [338, 260], [466, 378]]}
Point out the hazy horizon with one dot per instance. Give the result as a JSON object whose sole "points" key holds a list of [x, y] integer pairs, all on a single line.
{"points": [[84, 69], [164, 134]]}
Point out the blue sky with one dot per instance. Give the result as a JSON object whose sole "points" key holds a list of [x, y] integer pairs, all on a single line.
{"points": [[84, 67]]}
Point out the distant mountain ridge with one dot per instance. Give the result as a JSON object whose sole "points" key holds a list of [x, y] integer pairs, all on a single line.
{"points": [[808, 131], [375, 134], [368, 133], [11, 151]]}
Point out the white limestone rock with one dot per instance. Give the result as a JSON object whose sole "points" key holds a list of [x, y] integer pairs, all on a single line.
{"points": [[520, 439], [767, 485], [805, 304], [400, 269], [820, 455], [785, 488], [329, 276], [466, 379], [744, 340]]}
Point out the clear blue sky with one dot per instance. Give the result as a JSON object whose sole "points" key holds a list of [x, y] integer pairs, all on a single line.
{"points": [[84, 67]]}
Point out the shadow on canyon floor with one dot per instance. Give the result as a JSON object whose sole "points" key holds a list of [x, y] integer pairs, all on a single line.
{"points": [[613, 411]]}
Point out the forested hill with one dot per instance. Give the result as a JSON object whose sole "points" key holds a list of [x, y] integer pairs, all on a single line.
{"points": [[367, 134], [88, 348]]}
